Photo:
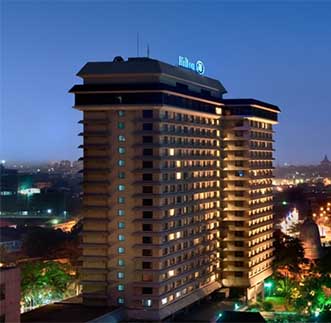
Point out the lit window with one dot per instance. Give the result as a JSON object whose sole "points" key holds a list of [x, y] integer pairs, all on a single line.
{"points": [[121, 250], [121, 262], [178, 294], [120, 113], [171, 273], [121, 225], [121, 187], [121, 138], [121, 200], [120, 275], [120, 287], [121, 150], [178, 175], [120, 212], [147, 302], [164, 300], [121, 237], [121, 162], [171, 152], [171, 236], [120, 125], [172, 212], [121, 175], [120, 300]]}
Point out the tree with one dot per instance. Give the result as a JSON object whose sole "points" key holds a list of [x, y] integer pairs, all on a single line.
{"points": [[289, 252], [44, 282]]}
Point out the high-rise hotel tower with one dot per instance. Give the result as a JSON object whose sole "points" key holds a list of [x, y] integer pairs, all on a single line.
{"points": [[177, 187]]}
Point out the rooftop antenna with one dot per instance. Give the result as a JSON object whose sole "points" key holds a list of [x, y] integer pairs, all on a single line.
{"points": [[137, 44], [147, 50]]}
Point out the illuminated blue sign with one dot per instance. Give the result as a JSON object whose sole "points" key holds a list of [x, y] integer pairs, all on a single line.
{"points": [[198, 66]]}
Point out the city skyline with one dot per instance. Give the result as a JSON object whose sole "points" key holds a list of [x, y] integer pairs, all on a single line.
{"points": [[242, 42]]}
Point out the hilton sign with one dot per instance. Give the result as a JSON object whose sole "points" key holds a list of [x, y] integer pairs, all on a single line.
{"points": [[198, 66]]}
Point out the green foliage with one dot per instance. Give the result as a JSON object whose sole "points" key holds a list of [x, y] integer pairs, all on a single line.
{"points": [[43, 282], [267, 306]]}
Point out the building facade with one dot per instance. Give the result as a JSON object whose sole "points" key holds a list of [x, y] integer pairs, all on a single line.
{"points": [[10, 294], [157, 154], [247, 195]]}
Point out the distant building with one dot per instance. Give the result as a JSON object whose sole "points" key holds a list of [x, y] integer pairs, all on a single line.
{"points": [[8, 181], [325, 162], [10, 295]]}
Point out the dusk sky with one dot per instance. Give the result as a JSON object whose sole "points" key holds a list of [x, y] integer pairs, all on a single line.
{"points": [[279, 52]]}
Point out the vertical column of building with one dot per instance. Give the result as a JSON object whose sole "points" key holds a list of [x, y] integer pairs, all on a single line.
{"points": [[96, 213], [235, 203], [260, 233], [177, 216]]}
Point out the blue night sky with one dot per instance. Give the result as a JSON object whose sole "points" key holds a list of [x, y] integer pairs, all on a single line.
{"points": [[279, 52]]}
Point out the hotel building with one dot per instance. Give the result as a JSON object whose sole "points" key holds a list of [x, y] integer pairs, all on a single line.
{"points": [[246, 195], [161, 227]]}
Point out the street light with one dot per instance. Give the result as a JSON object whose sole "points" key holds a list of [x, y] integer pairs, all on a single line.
{"points": [[268, 286]]}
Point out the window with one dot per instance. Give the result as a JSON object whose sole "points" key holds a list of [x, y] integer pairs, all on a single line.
{"points": [[171, 152], [120, 125], [121, 187], [147, 277], [147, 252], [147, 265], [147, 113], [120, 113], [238, 274], [121, 175], [147, 177], [147, 290], [147, 302], [120, 287], [147, 240], [121, 163], [121, 262], [120, 275], [147, 227], [2, 291], [147, 164], [147, 214], [147, 202], [121, 237], [121, 225], [121, 200], [121, 250], [120, 300], [148, 152], [120, 212], [121, 138], [147, 139], [121, 150], [147, 126], [147, 189], [164, 300]]}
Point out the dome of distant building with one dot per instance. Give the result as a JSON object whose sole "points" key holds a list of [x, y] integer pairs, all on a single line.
{"points": [[310, 237], [325, 161]]}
